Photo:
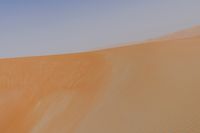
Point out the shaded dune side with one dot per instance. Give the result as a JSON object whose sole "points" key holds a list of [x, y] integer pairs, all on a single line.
{"points": [[49, 94], [154, 89]]}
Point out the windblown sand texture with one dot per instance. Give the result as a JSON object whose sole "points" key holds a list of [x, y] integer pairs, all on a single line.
{"points": [[148, 88]]}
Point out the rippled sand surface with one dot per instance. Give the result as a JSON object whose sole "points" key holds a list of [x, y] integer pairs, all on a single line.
{"points": [[149, 88]]}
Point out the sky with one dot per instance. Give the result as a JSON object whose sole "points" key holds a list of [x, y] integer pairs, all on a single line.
{"points": [[45, 27]]}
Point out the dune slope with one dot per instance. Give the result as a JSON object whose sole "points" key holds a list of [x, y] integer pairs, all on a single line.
{"points": [[147, 88], [187, 33]]}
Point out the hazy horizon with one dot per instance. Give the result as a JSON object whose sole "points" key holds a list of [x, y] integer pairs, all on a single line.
{"points": [[57, 26]]}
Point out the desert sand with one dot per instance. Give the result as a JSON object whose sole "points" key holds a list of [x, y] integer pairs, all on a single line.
{"points": [[153, 87]]}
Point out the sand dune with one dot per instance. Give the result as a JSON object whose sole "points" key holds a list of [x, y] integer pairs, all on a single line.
{"points": [[149, 88], [187, 33]]}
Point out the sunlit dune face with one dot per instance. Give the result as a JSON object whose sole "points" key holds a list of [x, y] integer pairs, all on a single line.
{"points": [[49, 94], [147, 88]]}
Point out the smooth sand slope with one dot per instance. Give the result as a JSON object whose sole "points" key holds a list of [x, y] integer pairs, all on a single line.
{"points": [[187, 33], [149, 88]]}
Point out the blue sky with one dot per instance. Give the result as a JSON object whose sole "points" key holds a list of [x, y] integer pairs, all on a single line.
{"points": [[42, 27]]}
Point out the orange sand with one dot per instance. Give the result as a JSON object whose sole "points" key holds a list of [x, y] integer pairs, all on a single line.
{"points": [[149, 88]]}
